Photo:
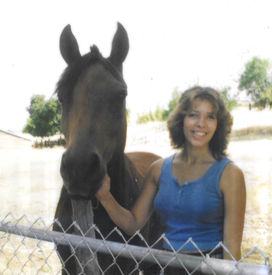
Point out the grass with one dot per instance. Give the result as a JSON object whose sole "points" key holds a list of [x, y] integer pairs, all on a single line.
{"points": [[252, 133]]}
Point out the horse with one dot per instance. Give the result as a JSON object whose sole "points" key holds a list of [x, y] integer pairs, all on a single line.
{"points": [[92, 92]]}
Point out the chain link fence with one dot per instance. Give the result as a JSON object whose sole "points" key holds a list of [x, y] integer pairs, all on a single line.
{"points": [[28, 247]]}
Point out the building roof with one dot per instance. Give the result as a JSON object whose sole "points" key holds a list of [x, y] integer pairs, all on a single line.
{"points": [[18, 134]]}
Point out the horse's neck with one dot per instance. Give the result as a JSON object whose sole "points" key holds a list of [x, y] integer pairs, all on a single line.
{"points": [[125, 180], [115, 169]]}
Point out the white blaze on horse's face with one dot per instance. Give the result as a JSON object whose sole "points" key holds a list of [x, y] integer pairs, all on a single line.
{"points": [[93, 93]]}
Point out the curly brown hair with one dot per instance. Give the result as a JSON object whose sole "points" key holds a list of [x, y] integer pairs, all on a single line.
{"points": [[218, 143]]}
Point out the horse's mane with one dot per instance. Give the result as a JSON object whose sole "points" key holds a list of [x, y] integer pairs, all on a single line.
{"points": [[78, 69]]}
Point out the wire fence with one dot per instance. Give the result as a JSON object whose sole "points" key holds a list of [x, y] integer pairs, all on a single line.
{"points": [[154, 133], [30, 248]]}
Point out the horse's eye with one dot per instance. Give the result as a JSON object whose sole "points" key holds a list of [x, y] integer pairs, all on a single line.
{"points": [[60, 99], [122, 97], [119, 98], [116, 104]]}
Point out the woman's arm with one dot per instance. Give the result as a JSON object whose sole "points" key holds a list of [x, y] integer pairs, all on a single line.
{"points": [[132, 220], [233, 187]]}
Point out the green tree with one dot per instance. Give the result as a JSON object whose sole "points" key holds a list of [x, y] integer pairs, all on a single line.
{"points": [[128, 115], [174, 100], [145, 118], [230, 102], [161, 114], [176, 94], [256, 80], [44, 117]]}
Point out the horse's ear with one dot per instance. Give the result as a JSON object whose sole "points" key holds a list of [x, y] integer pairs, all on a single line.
{"points": [[68, 46], [120, 46]]}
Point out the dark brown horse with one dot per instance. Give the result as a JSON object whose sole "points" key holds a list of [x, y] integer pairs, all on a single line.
{"points": [[93, 93]]}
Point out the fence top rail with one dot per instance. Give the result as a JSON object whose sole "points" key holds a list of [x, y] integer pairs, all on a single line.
{"points": [[205, 264]]}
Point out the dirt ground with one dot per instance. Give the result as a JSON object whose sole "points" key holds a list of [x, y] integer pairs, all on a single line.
{"points": [[30, 185]]}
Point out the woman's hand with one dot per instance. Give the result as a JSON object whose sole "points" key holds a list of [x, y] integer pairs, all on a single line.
{"points": [[104, 190], [131, 220]]}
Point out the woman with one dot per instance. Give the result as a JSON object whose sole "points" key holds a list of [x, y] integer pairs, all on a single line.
{"points": [[199, 192]]}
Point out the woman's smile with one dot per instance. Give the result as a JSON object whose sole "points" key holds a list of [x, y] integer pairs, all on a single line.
{"points": [[199, 133]]}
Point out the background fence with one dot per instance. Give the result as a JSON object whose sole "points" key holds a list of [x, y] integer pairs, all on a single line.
{"points": [[49, 142], [247, 125], [30, 248]]}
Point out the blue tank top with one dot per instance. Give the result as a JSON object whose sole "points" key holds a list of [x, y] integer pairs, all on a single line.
{"points": [[194, 210]]}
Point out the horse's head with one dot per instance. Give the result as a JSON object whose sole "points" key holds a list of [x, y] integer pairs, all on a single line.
{"points": [[92, 93]]}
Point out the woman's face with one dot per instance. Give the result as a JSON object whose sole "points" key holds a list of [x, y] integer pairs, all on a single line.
{"points": [[200, 123]]}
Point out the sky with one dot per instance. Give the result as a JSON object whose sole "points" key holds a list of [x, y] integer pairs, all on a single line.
{"points": [[173, 43]]}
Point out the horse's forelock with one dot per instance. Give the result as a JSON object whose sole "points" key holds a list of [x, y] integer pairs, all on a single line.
{"points": [[73, 72], [95, 51]]}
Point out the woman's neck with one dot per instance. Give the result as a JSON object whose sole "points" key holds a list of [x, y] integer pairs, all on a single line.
{"points": [[192, 155]]}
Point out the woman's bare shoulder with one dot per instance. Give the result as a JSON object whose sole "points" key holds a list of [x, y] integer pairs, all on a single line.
{"points": [[155, 169], [232, 170], [232, 176], [158, 163]]}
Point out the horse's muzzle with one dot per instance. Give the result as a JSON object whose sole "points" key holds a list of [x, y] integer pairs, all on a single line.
{"points": [[82, 174]]}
